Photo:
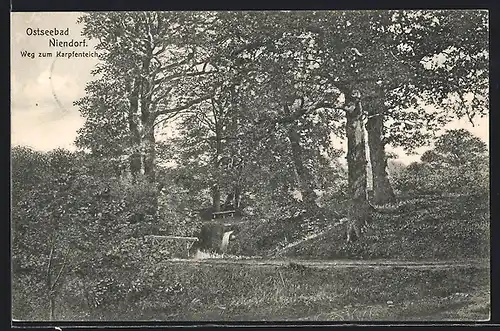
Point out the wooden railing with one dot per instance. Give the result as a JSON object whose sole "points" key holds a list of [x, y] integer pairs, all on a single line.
{"points": [[223, 214]]}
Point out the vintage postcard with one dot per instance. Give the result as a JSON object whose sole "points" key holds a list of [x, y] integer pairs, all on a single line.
{"points": [[250, 166]]}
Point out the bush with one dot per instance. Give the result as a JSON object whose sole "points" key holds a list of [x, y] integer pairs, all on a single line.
{"points": [[458, 165], [427, 179]]}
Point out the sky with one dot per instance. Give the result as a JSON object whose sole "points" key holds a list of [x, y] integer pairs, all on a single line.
{"points": [[43, 89]]}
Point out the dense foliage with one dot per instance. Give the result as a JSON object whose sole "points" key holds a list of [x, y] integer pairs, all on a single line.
{"points": [[458, 164], [250, 103]]}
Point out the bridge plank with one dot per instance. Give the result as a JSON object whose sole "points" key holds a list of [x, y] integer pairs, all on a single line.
{"points": [[172, 237]]}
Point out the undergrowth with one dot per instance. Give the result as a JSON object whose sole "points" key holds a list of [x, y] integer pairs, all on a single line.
{"points": [[194, 292], [422, 228]]}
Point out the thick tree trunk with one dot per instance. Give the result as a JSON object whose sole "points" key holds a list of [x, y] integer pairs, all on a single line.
{"points": [[233, 198], [141, 124], [216, 198], [229, 200], [382, 190], [237, 197], [305, 180], [149, 153], [216, 194], [356, 150], [149, 160], [147, 123], [147, 139], [359, 208], [135, 134], [308, 194]]}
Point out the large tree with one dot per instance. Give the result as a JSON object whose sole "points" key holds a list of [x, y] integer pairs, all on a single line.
{"points": [[291, 96], [149, 61], [375, 67], [398, 63], [212, 131], [419, 69], [266, 111]]}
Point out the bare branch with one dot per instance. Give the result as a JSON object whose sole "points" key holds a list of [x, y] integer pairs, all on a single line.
{"points": [[214, 113], [156, 100], [325, 104], [185, 106], [189, 74], [467, 112], [204, 118], [173, 65], [162, 49]]}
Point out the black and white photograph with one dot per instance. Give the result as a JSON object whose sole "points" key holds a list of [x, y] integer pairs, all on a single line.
{"points": [[298, 165]]}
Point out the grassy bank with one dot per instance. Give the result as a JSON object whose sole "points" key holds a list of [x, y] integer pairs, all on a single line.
{"points": [[425, 228], [294, 292], [428, 228]]}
